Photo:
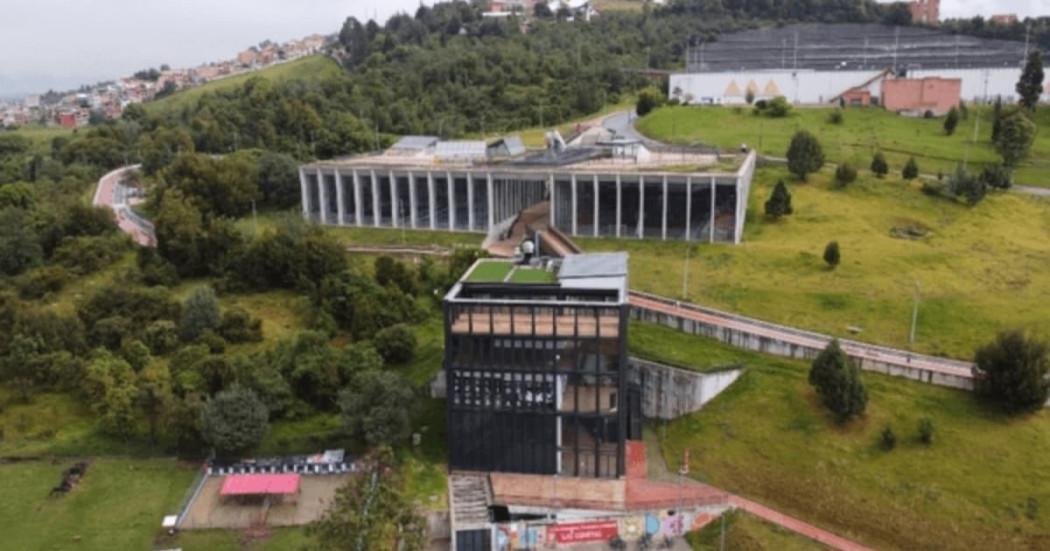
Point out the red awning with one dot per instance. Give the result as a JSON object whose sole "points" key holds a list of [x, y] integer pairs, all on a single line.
{"points": [[260, 484]]}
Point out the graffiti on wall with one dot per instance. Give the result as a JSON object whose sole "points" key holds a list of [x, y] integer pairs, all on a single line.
{"points": [[664, 524]]}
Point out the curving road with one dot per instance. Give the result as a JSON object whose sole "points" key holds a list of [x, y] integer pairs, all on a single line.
{"points": [[111, 192]]}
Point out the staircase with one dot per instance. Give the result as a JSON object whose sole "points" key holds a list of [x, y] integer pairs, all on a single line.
{"points": [[471, 497]]}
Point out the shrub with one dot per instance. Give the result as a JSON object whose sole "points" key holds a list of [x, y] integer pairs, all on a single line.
{"points": [[837, 381], [928, 114], [911, 169], [804, 155], [964, 185], [1016, 134], [396, 344], [845, 174], [649, 99], [776, 108], [237, 325], [836, 117], [888, 439], [161, 337], [926, 430], [42, 281], [879, 167], [376, 407], [832, 255], [996, 176], [1010, 372], [779, 203]]}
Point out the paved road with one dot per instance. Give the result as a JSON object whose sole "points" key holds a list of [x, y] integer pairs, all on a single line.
{"points": [[902, 358], [795, 525], [112, 193]]}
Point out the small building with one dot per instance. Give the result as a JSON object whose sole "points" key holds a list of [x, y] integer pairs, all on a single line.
{"points": [[1003, 19], [925, 12], [916, 96]]}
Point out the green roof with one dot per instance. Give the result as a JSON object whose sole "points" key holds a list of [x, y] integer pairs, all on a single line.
{"points": [[532, 275], [490, 271]]}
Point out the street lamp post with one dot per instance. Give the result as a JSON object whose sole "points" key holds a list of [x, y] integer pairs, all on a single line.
{"points": [[914, 312]]}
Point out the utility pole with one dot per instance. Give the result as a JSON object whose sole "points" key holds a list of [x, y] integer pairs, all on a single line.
{"points": [[914, 313], [685, 273], [976, 130]]}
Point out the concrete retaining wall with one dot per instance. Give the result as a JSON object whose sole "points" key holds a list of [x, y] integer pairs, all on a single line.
{"points": [[869, 357], [669, 392]]}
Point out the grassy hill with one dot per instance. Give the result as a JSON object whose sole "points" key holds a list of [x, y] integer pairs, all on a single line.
{"points": [[312, 68], [768, 438], [863, 131], [981, 269]]}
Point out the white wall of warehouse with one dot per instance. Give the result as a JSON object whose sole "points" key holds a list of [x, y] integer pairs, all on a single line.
{"points": [[816, 87]]}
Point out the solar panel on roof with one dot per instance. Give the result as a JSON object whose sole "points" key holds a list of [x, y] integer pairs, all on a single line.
{"points": [[414, 143], [461, 150], [593, 265]]}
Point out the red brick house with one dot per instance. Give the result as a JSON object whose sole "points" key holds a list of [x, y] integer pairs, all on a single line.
{"points": [[916, 96]]}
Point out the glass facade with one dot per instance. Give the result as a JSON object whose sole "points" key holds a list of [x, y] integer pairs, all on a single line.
{"points": [[537, 380]]}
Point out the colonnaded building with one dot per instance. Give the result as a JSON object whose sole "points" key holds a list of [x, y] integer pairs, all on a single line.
{"points": [[597, 185]]}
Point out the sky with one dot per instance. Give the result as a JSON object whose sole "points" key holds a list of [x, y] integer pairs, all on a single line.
{"points": [[62, 44]]}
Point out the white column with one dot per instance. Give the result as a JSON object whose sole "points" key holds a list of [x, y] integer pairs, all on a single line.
{"points": [[339, 197], [575, 216], [596, 217], [554, 199], [395, 208], [359, 209], [619, 205], [304, 193], [432, 200], [412, 201], [377, 215], [323, 193], [714, 186], [641, 207], [491, 200], [663, 230], [451, 201], [688, 206], [470, 201]]}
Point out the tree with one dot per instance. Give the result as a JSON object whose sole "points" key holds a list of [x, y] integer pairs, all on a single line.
{"points": [[837, 381], [911, 169], [832, 254], [951, 120], [779, 203], [845, 174], [371, 511], [889, 438], [17, 367], [376, 407], [19, 246], [649, 99], [396, 344], [200, 313], [997, 119], [1030, 85], [1016, 135], [879, 166], [110, 383], [278, 179], [926, 430], [1010, 372], [234, 421], [155, 397], [749, 97], [804, 155]]}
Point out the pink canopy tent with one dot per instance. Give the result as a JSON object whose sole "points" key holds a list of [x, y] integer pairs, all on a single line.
{"points": [[260, 484]]}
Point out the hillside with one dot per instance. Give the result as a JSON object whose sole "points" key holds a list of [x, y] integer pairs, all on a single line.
{"points": [[310, 69]]}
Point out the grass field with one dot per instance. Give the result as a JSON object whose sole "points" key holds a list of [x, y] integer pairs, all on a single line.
{"points": [[279, 539], [980, 269], [767, 438], [744, 532], [864, 131], [117, 505], [309, 69]]}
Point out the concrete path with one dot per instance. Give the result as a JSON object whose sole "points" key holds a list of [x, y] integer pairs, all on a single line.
{"points": [[893, 356], [795, 525], [112, 193]]}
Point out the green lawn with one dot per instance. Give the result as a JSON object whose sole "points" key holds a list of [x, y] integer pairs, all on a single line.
{"points": [[650, 342], [980, 269], [864, 131], [279, 539], [119, 504], [310, 69], [744, 532], [767, 438], [533, 275], [490, 271]]}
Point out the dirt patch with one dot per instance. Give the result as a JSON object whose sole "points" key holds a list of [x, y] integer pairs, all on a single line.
{"points": [[209, 510]]}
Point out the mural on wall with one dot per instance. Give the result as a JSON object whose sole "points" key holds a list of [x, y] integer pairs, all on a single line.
{"points": [[657, 525], [582, 532]]}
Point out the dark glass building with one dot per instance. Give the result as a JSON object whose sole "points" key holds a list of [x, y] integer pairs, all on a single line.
{"points": [[536, 367]]}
